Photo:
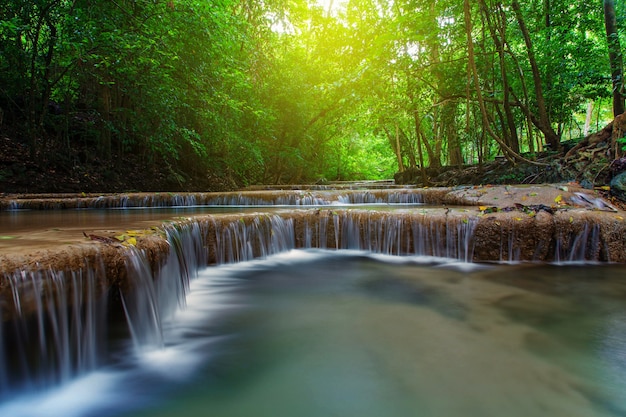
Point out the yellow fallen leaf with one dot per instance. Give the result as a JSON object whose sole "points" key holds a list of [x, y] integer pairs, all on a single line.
{"points": [[482, 208], [571, 219], [518, 219], [619, 217], [120, 238], [132, 241], [558, 198]]}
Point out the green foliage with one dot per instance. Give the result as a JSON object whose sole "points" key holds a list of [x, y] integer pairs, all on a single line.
{"points": [[279, 91]]}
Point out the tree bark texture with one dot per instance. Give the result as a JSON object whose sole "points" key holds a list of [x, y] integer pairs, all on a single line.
{"points": [[615, 57], [543, 118]]}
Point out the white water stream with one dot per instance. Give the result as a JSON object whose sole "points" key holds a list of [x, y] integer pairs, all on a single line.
{"points": [[311, 333], [376, 328]]}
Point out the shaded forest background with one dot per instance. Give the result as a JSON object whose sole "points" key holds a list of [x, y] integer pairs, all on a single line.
{"points": [[124, 95]]}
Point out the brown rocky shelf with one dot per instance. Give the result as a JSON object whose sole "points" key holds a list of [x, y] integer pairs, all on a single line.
{"points": [[480, 224]]}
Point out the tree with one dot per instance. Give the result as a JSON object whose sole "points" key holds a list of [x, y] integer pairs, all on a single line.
{"points": [[286, 91], [615, 57], [542, 120]]}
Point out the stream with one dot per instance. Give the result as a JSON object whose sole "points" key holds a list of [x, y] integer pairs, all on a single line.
{"points": [[279, 329]]}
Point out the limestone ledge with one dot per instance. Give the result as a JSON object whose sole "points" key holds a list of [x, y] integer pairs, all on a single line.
{"points": [[534, 223], [507, 207]]}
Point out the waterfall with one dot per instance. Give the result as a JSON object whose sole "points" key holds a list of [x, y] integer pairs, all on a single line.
{"points": [[242, 198], [248, 238], [67, 335], [155, 296], [142, 305], [62, 340], [581, 245]]}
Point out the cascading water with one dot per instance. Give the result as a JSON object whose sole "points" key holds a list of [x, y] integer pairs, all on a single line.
{"points": [[62, 340], [155, 297], [143, 306], [582, 246], [67, 337], [69, 329], [250, 198]]}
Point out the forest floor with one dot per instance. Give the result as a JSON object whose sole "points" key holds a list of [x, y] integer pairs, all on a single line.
{"points": [[54, 171], [590, 170]]}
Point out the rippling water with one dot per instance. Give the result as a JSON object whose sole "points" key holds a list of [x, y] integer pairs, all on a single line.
{"points": [[315, 333]]}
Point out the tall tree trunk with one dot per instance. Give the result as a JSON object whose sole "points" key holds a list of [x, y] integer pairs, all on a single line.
{"points": [[497, 34], [418, 135], [409, 151], [543, 120], [394, 141], [449, 126], [588, 117], [615, 57], [434, 151], [471, 62], [549, 70], [398, 150]]}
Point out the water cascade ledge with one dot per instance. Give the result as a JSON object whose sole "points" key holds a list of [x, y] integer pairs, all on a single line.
{"points": [[463, 196], [53, 307], [573, 235], [238, 198]]}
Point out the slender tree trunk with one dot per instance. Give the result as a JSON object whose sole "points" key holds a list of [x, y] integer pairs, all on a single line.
{"points": [[398, 150], [543, 119], [523, 105], [448, 120], [418, 134], [434, 151], [32, 125], [394, 141], [549, 70], [408, 148], [471, 61], [497, 35], [615, 57], [588, 117]]}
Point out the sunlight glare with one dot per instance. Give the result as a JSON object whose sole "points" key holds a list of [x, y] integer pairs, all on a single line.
{"points": [[331, 6]]}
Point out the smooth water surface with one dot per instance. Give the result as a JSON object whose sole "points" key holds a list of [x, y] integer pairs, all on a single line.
{"points": [[24, 221], [315, 333], [27, 230]]}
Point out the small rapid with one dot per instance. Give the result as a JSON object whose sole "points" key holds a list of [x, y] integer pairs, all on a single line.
{"points": [[309, 331], [83, 333], [262, 198]]}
